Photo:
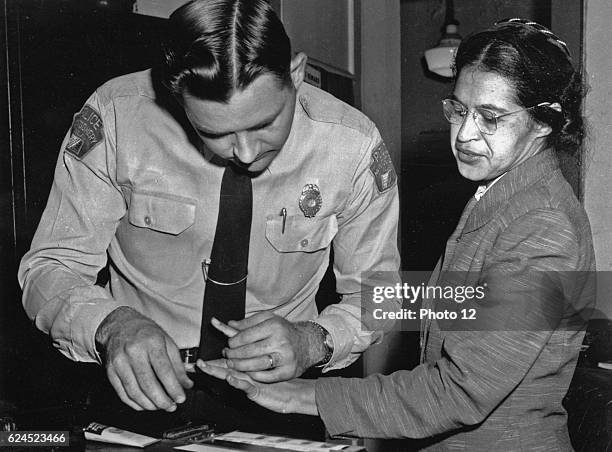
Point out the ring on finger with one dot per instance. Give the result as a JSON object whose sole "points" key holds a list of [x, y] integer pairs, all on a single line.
{"points": [[271, 361]]}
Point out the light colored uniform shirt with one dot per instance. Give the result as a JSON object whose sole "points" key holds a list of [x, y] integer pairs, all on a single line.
{"points": [[132, 182]]}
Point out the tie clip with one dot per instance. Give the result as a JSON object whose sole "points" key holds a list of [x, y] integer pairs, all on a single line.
{"points": [[205, 265]]}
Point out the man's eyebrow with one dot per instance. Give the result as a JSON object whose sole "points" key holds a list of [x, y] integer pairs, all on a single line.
{"points": [[211, 134], [260, 125]]}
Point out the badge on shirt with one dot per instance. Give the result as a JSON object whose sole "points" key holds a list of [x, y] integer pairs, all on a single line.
{"points": [[310, 200], [86, 132], [382, 168]]}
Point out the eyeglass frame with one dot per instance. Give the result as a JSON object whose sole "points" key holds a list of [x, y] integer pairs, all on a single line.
{"points": [[477, 113]]}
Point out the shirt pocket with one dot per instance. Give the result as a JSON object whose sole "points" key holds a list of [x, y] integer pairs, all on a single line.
{"points": [[301, 234], [161, 212]]}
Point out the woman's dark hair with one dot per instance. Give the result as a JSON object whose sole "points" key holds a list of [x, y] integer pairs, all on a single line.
{"points": [[214, 47], [538, 65]]}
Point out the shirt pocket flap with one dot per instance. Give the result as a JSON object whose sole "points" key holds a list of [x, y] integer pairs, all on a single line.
{"points": [[161, 212], [300, 233]]}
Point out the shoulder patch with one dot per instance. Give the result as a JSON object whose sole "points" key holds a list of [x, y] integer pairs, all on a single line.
{"points": [[382, 168], [86, 132]]}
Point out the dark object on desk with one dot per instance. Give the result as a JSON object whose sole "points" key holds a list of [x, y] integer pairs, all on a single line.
{"points": [[190, 432]]}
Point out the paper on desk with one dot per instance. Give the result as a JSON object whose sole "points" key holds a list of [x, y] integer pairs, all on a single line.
{"points": [[202, 448], [281, 442], [103, 433]]}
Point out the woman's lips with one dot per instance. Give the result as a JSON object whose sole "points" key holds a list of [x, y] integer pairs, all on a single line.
{"points": [[467, 156]]}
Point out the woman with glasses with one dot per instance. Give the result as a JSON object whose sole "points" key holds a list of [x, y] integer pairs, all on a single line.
{"points": [[494, 380]]}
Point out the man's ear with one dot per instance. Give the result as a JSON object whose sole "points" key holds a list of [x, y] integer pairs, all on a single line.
{"points": [[298, 68]]}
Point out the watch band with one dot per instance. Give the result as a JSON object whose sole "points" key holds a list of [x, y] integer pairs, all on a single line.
{"points": [[327, 341]]}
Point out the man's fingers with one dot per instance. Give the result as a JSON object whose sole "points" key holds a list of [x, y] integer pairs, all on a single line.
{"points": [[118, 387], [248, 351], [129, 382], [250, 321], [167, 376], [178, 366], [253, 334], [264, 362], [225, 329], [149, 384]]}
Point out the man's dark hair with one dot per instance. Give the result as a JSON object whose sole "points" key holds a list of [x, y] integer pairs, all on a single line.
{"points": [[538, 65], [215, 47]]}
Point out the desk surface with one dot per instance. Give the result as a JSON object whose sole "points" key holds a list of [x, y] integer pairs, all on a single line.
{"points": [[78, 442], [216, 446]]}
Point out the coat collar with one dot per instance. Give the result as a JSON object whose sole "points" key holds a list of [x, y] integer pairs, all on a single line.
{"points": [[517, 179]]}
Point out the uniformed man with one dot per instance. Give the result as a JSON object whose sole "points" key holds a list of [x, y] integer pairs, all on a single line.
{"points": [[137, 184]]}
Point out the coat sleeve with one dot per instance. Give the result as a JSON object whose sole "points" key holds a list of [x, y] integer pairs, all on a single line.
{"points": [[85, 204], [365, 251], [476, 370]]}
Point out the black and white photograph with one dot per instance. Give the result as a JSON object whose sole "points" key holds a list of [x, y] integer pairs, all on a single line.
{"points": [[306, 225]]}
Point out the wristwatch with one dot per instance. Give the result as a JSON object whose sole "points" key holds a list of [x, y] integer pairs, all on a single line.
{"points": [[327, 342]]}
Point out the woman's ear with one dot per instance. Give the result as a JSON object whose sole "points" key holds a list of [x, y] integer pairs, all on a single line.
{"points": [[544, 129], [298, 68]]}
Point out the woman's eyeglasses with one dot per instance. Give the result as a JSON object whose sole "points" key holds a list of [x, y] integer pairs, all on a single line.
{"points": [[486, 121]]}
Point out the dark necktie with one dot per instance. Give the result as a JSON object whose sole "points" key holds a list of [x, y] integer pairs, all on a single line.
{"points": [[226, 273]]}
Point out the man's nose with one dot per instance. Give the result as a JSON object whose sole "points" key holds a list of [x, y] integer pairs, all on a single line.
{"points": [[245, 148]]}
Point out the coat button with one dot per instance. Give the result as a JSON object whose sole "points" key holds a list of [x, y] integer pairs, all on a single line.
{"points": [[147, 220], [304, 242]]}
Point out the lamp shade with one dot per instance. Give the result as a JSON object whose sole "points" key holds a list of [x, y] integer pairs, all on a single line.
{"points": [[440, 58]]}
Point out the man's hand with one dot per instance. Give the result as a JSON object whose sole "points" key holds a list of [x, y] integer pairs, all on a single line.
{"points": [[295, 396], [270, 348], [142, 362]]}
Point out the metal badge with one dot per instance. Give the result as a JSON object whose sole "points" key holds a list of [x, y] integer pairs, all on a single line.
{"points": [[310, 200]]}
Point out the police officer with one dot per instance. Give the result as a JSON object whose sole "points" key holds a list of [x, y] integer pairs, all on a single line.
{"points": [[138, 180]]}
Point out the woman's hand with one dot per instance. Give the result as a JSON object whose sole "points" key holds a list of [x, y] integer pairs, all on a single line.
{"points": [[294, 396]]}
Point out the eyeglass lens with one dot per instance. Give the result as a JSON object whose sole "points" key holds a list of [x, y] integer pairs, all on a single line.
{"points": [[455, 113]]}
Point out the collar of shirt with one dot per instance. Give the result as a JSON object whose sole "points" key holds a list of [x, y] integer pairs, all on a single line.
{"points": [[482, 189]]}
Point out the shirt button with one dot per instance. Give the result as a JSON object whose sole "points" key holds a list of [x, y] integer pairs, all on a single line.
{"points": [[304, 242], [147, 220]]}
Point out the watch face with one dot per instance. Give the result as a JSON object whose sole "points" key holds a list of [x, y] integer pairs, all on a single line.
{"points": [[329, 343]]}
